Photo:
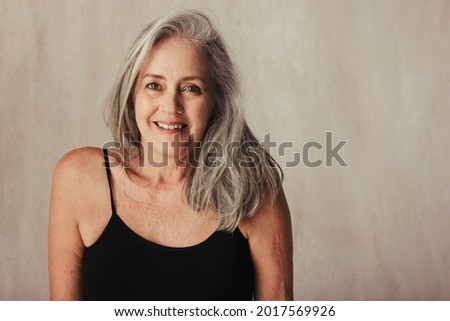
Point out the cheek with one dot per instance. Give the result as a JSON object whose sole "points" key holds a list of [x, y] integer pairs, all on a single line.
{"points": [[202, 118], [140, 117], [143, 109]]}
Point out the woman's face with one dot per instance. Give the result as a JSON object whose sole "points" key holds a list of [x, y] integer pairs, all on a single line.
{"points": [[173, 97]]}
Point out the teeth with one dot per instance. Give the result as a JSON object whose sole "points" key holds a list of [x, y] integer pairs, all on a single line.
{"points": [[162, 125]]}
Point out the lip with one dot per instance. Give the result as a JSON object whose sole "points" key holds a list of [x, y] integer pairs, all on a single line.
{"points": [[169, 131], [170, 123]]}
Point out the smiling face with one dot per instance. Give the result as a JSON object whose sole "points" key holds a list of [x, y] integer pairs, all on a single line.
{"points": [[173, 96]]}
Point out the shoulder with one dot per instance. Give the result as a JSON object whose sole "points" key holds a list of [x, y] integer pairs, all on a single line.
{"points": [[78, 173], [273, 215], [79, 184], [79, 161]]}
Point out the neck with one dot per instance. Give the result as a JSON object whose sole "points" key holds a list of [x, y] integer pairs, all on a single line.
{"points": [[158, 170]]}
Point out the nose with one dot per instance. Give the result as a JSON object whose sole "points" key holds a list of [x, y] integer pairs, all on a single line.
{"points": [[171, 103]]}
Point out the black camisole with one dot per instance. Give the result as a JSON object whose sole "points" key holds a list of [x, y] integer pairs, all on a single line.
{"points": [[123, 266]]}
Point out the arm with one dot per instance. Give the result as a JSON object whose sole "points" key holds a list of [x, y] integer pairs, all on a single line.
{"points": [[65, 246], [269, 233]]}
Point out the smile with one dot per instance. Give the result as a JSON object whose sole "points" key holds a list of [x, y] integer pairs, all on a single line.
{"points": [[170, 127]]}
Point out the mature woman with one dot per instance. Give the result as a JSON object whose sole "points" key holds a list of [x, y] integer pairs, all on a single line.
{"points": [[189, 206]]}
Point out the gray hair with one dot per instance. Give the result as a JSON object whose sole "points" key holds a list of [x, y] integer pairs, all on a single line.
{"points": [[235, 188]]}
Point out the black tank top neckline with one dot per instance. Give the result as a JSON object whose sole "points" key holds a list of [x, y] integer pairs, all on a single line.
{"points": [[118, 220]]}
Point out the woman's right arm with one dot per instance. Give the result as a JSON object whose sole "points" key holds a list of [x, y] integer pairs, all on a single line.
{"points": [[65, 246]]}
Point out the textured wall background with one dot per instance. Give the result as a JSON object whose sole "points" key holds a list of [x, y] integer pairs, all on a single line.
{"points": [[375, 73]]}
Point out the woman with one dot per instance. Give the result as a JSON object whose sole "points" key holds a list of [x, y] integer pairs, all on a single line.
{"points": [[191, 206]]}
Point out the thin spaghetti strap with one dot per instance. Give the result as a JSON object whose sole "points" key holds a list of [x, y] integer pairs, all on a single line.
{"points": [[108, 173]]}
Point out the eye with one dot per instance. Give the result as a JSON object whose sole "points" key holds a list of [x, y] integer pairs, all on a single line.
{"points": [[154, 86], [194, 89]]}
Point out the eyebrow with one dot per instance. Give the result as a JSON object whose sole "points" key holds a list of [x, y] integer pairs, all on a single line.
{"points": [[184, 78]]}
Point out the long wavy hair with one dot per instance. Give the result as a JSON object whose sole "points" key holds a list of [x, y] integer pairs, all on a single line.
{"points": [[235, 187]]}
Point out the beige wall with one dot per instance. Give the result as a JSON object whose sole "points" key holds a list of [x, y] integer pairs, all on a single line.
{"points": [[375, 73]]}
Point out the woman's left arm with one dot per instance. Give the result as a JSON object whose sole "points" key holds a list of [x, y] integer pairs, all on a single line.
{"points": [[269, 234]]}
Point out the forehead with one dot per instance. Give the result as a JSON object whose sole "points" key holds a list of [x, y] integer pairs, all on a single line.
{"points": [[176, 56]]}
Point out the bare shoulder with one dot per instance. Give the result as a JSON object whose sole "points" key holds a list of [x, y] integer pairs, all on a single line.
{"points": [[78, 162], [76, 176], [273, 214]]}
